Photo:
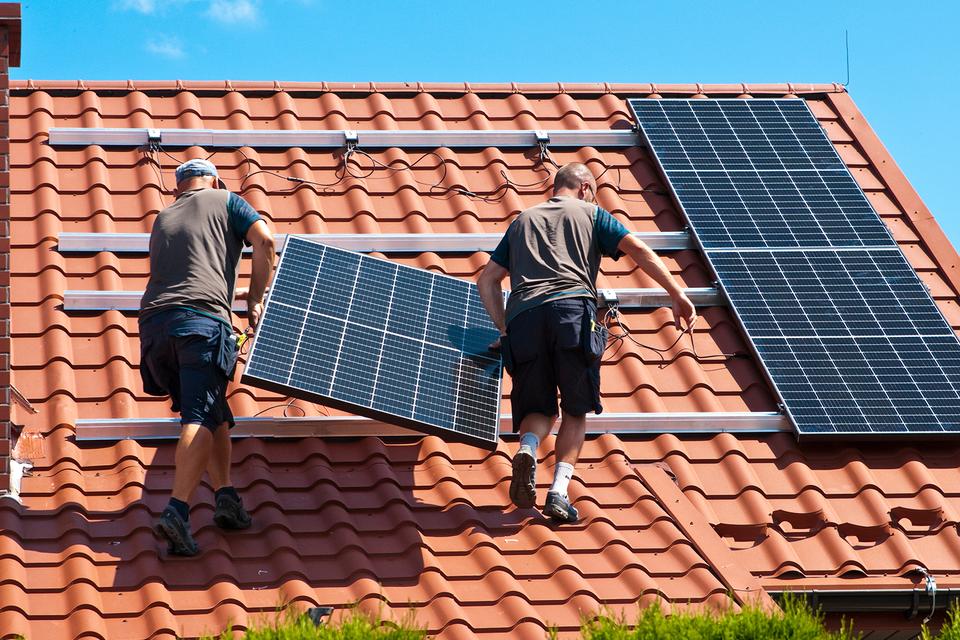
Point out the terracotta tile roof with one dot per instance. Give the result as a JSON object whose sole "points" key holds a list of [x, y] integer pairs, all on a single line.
{"points": [[418, 522]]}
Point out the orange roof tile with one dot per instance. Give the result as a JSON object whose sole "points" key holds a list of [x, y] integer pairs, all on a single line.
{"points": [[417, 522]]}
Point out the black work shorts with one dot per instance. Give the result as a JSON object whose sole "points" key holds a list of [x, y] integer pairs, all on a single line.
{"points": [[190, 357], [546, 346]]}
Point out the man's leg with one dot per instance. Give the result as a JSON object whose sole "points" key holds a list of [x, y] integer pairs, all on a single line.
{"points": [[192, 457], [570, 438], [193, 454], [523, 483], [229, 512], [569, 443], [219, 467]]}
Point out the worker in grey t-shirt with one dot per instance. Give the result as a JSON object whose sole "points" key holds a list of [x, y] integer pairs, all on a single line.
{"points": [[188, 349], [549, 331]]}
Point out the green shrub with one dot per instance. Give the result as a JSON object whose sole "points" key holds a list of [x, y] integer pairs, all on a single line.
{"points": [[951, 626], [797, 621], [351, 625]]}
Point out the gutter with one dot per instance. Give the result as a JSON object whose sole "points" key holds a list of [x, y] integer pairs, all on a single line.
{"points": [[912, 603]]}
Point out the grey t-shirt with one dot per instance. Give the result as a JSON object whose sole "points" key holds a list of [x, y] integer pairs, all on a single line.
{"points": [[553, 250], [195, 247]]}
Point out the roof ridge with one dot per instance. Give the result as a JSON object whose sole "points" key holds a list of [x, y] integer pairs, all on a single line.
{"points": [[458, 88]]}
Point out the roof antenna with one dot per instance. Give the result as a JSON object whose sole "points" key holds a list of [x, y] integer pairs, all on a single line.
{"points": [[846, 40]]}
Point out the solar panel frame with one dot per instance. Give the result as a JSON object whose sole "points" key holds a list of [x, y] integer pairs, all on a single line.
{"points": [[301, 307], [947, 342]]}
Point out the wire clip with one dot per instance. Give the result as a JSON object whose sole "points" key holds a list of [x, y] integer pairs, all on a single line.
{"points": [[153, 138], [609, 298], [351, 138]]}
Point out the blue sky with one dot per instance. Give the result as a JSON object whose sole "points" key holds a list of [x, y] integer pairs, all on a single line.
{"points": [[903, 76]]}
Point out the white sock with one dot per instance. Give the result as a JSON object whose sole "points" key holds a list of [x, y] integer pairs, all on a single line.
{"points": [[561, 478], [530, 440]]}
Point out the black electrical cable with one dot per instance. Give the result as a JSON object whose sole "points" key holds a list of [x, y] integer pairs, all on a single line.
{"points": [[622, 335]]}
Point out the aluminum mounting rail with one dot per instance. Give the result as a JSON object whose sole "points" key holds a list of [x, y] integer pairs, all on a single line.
{"points": [[648, 298], [113, 429], [362, 242], [339, 138]]}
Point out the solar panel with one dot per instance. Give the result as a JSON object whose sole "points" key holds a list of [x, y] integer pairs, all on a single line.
{"points": [[828, 293], [758, 173], [379, 339], [869, 385], [849, 335]]}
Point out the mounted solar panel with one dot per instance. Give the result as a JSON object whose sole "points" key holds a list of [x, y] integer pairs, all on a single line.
{"points": [[848, 334], [378, 339], [758, 173]]}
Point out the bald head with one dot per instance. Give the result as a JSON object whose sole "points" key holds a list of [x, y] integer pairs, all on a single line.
{"points": [[575, 180]]}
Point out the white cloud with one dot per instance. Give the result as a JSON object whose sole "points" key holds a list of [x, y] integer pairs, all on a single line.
{"points": [[142, 6], [234, 11], [166, 47]]}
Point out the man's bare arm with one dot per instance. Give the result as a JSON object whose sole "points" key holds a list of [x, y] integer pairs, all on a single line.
{"points": [[652, 265], [491, 293], [264, 254]]}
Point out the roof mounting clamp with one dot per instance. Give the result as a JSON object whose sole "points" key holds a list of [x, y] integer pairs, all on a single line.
{"points": [[351, 138], [608, 297], [153, 137], [543, 137]]}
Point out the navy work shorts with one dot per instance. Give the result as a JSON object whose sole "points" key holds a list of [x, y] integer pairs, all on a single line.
{"points": [[547, 352], [190, 357]]}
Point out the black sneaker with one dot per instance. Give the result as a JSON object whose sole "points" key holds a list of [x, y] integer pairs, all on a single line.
{"points": [[230, 513], [523, 484], [559, 509], [176, 531]]}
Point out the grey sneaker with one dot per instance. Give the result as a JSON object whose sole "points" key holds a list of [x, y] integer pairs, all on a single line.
{"points": [[230, 514], [559, 509], [176, 531], [523, 484]]}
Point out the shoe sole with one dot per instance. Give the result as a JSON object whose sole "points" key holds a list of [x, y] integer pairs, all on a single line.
{"points": [[560, 515], [555, 514], [178, 546], [523, 492], [229, 524]]}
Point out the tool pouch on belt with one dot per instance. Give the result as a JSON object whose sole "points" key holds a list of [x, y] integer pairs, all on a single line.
{"points": [[227, 353], [593, 334]]}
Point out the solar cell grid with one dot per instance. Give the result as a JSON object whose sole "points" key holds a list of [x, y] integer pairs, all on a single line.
{"points": [[367, 335], [828, 293], [758, 173], [851, 338]]}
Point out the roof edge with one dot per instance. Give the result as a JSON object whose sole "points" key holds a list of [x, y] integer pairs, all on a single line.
{"points": [[453, 88]]}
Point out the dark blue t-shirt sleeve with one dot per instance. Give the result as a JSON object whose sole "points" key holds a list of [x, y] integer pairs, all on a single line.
{"points": [[241, 215], [610, 232], [501, 255]]}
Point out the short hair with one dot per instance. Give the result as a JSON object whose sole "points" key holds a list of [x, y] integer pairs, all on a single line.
{"points": [[570, 176]]}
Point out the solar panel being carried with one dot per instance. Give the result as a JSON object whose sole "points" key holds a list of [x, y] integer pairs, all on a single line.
{"points": [[850, 337], [378, 339]]}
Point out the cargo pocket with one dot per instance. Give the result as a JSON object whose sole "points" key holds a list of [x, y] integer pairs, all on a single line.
{"points": [[569, 319], [151, 386]]}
